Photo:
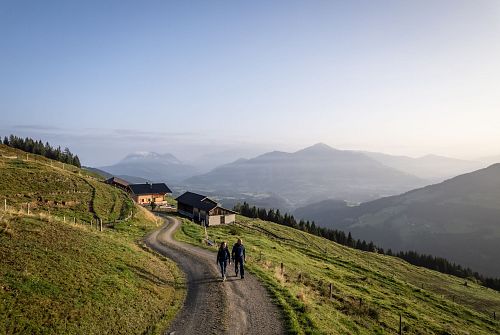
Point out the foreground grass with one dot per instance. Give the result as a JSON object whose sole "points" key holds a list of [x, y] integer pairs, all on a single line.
{"points": [[58, 277], [369, 291]]}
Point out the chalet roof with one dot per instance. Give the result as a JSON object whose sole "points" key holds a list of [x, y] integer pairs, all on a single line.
{"points": [[159, 188], [197, 201], [116, 180]]}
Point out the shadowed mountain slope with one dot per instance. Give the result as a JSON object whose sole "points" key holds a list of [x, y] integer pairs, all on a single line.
{"points": [[458, 219]]}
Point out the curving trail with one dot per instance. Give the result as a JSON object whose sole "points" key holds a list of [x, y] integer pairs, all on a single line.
{"points": [[212, 306]]}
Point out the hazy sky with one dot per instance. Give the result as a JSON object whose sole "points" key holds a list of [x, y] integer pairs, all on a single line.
{"points": [[403, 77]]}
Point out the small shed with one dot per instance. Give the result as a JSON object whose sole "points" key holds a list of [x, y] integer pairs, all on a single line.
{"points": [[204, 210], [146, 193], [118, 182]]}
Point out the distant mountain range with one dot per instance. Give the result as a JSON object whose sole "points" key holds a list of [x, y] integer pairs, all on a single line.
{"points": [[152, 166], [458, 219], [430, 167], [288, 180], [314, 173], [490, 160]]}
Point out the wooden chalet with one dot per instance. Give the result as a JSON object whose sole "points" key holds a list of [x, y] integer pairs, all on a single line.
{"points": [[204, 210], [144, 194], [118, 182]]}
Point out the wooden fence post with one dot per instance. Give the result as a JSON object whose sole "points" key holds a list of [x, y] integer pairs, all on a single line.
{"points": [[360, 302], [64, 218], [331, 289], [74, 220], [282, 268], [28, 208], [400, 325], [100, 224], [5, 205], [494, 315]]}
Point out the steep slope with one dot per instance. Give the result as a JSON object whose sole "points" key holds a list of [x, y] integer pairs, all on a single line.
{"points": [[317, 172], [61, 275], [457, 219], [431, 167], [369, 291], [152, 166]]}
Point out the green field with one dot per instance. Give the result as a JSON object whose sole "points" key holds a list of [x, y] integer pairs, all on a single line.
{"points": [[61, 275], [369, 291]]}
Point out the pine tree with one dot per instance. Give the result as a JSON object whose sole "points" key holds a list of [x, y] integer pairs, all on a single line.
{"points": [[76, 161], [350, 241]]}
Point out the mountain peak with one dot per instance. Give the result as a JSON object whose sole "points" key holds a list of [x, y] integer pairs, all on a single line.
{"points": [[141, 156], [318, 147], [321, 145]]}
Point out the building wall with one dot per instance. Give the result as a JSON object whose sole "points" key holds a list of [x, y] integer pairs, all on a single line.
{"points": [[214, 220], [146, 198], [142, 199]]}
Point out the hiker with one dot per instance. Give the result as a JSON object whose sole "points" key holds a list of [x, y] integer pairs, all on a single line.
{"points": [[223, 258], [238, 256], [234, 259]]}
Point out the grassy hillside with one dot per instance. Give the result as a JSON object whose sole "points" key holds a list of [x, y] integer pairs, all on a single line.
{"points": [[59, 274], [369, 291]]}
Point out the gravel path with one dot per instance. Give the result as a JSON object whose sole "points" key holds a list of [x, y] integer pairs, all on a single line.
{"points": [[212, 306]]}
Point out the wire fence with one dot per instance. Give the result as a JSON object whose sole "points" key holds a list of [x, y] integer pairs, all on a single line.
{"points": [[71, 218]]}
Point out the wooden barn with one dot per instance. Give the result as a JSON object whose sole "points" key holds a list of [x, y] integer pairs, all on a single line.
{"points": [[118, 182], [144, 194], [204, 210]]}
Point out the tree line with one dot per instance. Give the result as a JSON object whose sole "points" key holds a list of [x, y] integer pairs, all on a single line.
{"points": [[428, 261], [38, 148]]}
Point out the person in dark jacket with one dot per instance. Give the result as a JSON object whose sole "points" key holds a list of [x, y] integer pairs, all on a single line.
{"points": [[234, 259], [239, 256], [223, 258]]}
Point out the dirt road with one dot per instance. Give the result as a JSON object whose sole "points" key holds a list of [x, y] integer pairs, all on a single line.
{"points": [[212, 306]]}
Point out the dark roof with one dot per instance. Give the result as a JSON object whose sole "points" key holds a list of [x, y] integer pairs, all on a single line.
{"points": [[147, 188], [197, 201], [116, 180]]}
